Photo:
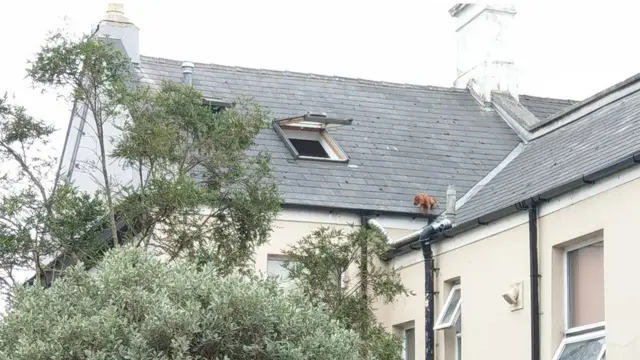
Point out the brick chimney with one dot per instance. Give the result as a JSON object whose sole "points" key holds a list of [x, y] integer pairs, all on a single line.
{"points": [[118, 27], [485, 49]]}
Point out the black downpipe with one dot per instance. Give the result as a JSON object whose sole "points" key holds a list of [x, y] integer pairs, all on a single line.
{"points": [[364, 259], [535, 286], [425, 243], [428, 298]]}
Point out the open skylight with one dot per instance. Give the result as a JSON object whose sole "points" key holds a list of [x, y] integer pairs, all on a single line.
{"points": [[216, 105], [307, 137]]}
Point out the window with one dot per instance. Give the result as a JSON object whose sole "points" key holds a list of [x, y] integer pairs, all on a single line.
{"points": [[409, 344], [307, 137], [459, 338], [451, 309], [584, 303], [590, 346], [275, 267], [584, 286]]}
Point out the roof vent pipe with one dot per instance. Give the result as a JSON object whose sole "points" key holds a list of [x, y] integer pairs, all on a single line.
{"points": [[450, 210], [187, 72]]}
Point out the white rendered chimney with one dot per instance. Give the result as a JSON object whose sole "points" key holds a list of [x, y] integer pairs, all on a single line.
{"points": [[485, 49], [118, 27]]}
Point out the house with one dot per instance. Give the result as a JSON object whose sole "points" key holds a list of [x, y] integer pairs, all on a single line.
{"points": [[372, 164], [543, 248], [542, 182]]}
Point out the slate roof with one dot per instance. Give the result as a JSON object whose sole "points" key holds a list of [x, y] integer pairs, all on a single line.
{"points": [[606, 136], [543, 107], [404, 138]]}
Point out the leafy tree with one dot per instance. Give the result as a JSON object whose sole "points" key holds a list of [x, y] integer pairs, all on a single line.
{"points": [[38, 225], [95, 76], [211, 199], [137, 307], [199, 193], [342, 271]]}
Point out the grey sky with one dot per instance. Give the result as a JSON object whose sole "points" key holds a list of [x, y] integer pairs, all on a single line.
{"points": [[566, 50]]}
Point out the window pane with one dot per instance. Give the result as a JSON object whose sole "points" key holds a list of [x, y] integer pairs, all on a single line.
{"points": [[583, 350], [276, 268], [410, 344], [450, 310], [586, 285], [309, 148]]}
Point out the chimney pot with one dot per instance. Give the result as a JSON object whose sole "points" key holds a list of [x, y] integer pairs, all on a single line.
{"points": [[115, 8], [115, 13], [118, 28]]}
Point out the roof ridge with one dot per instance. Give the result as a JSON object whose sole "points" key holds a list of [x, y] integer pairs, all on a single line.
{"points": [[599, 100], [309, 75], [550, 99]]}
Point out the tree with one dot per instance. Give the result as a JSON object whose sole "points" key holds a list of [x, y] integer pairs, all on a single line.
{"points": [[38, 225], [342, 271], [95, 76], [210, 197], [200, 192], [137, 307]]}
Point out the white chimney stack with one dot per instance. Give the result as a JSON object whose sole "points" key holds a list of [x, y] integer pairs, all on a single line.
{"points": [[485, 49], [118, 27]]}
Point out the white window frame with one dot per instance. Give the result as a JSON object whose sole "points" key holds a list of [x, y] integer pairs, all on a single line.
{"points": [[567, 311], [404, 341], [313, 135], [459, 340], [580, 338], [439, 324], [288, 282]]}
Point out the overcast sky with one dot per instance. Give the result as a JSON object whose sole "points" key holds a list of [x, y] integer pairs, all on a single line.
{"points": [[567, 51]]}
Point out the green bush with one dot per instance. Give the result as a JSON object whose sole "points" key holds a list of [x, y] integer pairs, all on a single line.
{"points": [[137, 307]]}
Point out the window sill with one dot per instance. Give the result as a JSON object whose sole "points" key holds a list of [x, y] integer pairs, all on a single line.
{"points": [[322, 159], [585, 329]]}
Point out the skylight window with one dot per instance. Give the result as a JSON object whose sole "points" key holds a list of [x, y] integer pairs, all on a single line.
{"points": [[307, 137], [216, 105]]}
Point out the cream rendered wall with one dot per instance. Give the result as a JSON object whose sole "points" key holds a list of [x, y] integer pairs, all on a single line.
{"points": [[292, 225], [487, 260]]}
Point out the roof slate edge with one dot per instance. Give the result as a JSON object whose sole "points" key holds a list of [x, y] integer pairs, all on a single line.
{"points": [[578, 182], [519, 118], [492, 174], [612, 90]]}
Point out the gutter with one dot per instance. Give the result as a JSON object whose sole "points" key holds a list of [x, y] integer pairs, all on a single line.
{"points": [[578, 182], [369, 211]]}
